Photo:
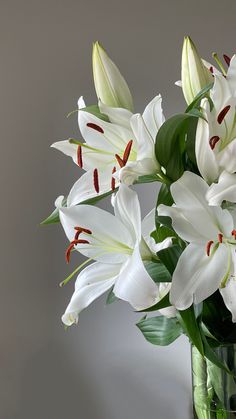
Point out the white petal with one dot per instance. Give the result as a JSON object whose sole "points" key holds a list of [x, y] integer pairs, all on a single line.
{"points": [[220, 93], [67, 148], [144, 138], [92, 282], [118, 116], [110, 241], [127, 210], [164, 288], [135, 285], [231, 75], [205, 156], [81, 103], [227, 157], [59, 200], [148, 224], [197, 276], [179, 83], [153, 116], [229, 296], [225, 189], [84, 189]]}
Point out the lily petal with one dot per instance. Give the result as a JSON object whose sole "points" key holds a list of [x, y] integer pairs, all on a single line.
{"points": [[197, 276], [225, 189], [229, 296], [92, 282], [153, 116], [118, 116], [134, 283], [127, 210]]}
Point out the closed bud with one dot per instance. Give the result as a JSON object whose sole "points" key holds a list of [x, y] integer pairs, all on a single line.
{"points": [[110, 85]]}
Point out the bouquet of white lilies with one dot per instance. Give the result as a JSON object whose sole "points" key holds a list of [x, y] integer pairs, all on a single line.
{"points": [[180, 259]]}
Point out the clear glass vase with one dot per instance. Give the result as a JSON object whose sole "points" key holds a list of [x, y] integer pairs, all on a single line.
{"points": [[214, 390]]}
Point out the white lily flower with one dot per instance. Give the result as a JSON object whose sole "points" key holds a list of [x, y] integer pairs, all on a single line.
{"points": [[195, 76], [113, 149], [117, 244], [215, 145], [110, 85], [209, 261]]}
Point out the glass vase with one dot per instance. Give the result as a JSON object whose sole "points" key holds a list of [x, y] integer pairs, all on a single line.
{"points": [[214, 390]]}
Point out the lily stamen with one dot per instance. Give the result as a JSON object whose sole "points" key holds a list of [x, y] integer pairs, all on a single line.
{"points": [[213, 141], [227, 59], [79, 156], [71, 246], [222, 114], [96, 127], [80, 230], [220, 237], [113, 180], [95, 180], [234, 233], [127, 151], [208, 247], [119, 160]]}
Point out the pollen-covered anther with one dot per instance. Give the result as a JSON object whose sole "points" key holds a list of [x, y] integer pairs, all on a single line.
{"points": [[127, 151], [119, 160], [223, 113], [227, 59], [80, 230], [71, 246], [79, 156], [211, 69], [220, 237], [213, 141], [95, 127], [96, 180], [113, 180], [234, 233], [208, 247]]}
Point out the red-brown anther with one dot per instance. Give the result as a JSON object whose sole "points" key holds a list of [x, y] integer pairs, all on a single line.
{"points": [[120, 160], [80, 230], [208, 247], [95, 180], [71, 246], [113, 180], [213, 141], [211, 69], [227, 59], [234, 233], [220, 237], [79, 156], [222, 114], [127, 151], [95, 126]]}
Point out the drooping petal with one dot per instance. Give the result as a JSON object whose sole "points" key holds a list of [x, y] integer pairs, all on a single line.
{"points": [[127, 210], [67, 148], [153, 116], [225, 189], [205, 156], [110, 241], [134, 283], [84, 187], [92, 282], [164, 288], [229, 296], [197, 276]]}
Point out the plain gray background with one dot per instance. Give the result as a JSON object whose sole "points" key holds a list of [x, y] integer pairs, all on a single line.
{"points": [[102, 369]]}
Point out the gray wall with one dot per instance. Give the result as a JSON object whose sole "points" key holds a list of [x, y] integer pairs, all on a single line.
{"points": [[102, 369]]}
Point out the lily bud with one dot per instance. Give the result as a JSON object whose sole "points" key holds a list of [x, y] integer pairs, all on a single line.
{"points": [[110, 85], [195, 76]]}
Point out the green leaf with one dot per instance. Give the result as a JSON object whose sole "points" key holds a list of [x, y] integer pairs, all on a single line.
{"points": [[160, 330], [212, 356], [191, 327], [111, 298], [53, 218], [157, 271], [170, 256], [170, 144], [94, 110], [163, 303], [197, 100], [164, 197], [147, 179]]}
